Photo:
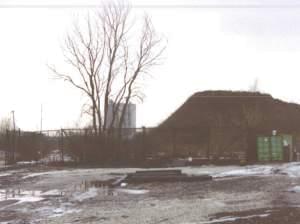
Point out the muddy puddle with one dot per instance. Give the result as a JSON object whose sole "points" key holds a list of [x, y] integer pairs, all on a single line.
{"points": [[105, 189], [82, 191]]}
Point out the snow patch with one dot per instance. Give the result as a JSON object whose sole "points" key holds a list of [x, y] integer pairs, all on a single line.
{"points": [[103, 172], [46, 173], [53, 192], [295, 189], [28, 199], [21, 196], [132, 191], [123, 184], [231, 219], [62, 212], [91, 193], [26, 162], [5, 174], [291, 169], [247, 171]]}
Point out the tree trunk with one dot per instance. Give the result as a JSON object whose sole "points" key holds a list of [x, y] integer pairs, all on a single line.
{"points": [[95, 128]]}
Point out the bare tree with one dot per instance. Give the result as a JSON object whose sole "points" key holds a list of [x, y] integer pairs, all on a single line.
{"points": [[84, 52], [5, 125], [111, 57]]}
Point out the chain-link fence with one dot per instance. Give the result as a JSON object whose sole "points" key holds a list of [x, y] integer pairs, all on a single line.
{"points": [[132, 146]]}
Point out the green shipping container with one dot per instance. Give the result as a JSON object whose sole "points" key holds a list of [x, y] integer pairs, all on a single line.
{"points": [[263, 149], [276, 148], [270, 148]]}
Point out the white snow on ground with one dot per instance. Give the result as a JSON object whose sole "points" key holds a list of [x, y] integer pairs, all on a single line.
{"points": [[58, 212], [290, 169], [247, 171], [132, 191], [91, 193], [26, 162], [123, 184], [4, 174], [23, 199], [231, 219], [20, 196], [207, 169], [211, 170], [80, 172], [53, 192], [60, 172], [229, 171], [295, 189], [54, 182], [51, 212]]}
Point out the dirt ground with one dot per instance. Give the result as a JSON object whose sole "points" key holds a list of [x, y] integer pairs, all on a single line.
{"points": [[253, 194]]}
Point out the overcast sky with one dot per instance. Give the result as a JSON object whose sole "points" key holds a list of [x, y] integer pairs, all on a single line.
{"points": [[212, 45]]}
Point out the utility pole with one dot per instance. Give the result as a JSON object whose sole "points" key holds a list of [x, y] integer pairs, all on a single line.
{"points": [[14, 137], [40, 151], [41, 118]]}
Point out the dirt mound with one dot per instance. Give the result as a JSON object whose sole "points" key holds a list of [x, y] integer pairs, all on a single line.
{"points": [[232, 120], [231, 110]]}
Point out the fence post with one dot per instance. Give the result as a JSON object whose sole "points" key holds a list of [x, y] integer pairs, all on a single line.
{"points": [[85, 147], [174, 142], [8, 149], [13, 147], [144, 147], [18, 139], [62, 144], [208, 144]]}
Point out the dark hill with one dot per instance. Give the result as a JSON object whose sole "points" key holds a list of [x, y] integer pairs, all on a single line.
{"points": [[233, 109], [231, 121]]}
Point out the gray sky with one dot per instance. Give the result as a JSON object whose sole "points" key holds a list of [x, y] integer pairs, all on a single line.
{"points": [[208, 48]]}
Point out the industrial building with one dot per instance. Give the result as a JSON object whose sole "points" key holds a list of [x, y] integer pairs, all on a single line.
{"points": [[129, 122]]}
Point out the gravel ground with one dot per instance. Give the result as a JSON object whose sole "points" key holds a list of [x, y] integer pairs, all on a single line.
{"points": [[43, 195]]}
